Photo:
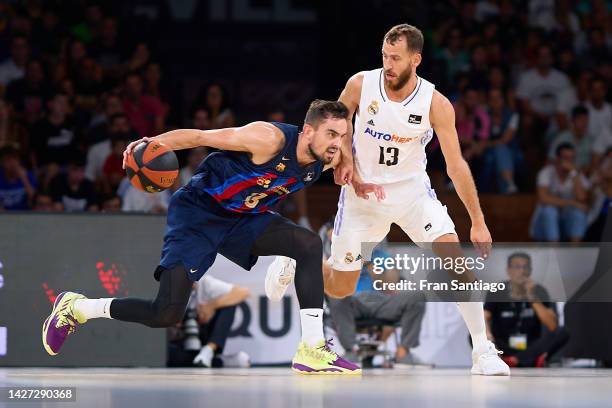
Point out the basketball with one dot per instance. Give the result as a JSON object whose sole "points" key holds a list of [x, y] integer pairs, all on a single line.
{"points": [[152, 167]]}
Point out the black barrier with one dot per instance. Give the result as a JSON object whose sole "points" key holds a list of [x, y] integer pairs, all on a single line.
{"points": [[42, 255]]}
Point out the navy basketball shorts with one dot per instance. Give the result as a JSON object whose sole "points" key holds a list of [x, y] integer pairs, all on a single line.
{"points": [[198, 228]]}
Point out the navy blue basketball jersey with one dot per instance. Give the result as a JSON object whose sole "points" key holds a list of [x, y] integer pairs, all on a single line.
{"points": [[239, 185]]}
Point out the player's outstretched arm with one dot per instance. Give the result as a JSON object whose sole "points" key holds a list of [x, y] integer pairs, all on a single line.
{"points": [[442, 117], [262, 139]]}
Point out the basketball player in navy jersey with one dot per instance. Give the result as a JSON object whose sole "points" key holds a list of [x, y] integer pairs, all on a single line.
{"points": [[225, 208]]}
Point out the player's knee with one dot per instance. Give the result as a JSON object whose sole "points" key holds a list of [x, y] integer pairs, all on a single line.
{"points": [[308, 245], [344, 284], [168, 316]]}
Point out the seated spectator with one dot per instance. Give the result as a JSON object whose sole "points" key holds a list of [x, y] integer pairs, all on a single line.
{"points": [[106, 49], [14, 67], [502, 150], [27, 95], [112, 171], [110, 203], [11, 132], [53, 138], [521, 320], [214, 99], [118, 127], [194, 158], [600, 119], [17, 185], [43, 203], [579, 137], [562, 197], [572, 96], [473, 125], [145, 112], [135, 200], [216, 303], [601, 200], [71, 191]]}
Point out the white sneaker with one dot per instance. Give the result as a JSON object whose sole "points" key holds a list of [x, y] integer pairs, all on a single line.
{"points": [[204, 357], [278, 277], [489, 363], [238, 360]]}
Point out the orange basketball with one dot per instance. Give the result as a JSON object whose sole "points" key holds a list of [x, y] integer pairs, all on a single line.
{"points": [[152, 167]]}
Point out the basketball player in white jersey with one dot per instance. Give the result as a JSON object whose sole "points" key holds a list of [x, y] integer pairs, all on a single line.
{"points": [[396, 114]]}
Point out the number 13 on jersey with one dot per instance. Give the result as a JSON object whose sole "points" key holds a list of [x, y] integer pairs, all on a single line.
{"points": [[388, 156]]}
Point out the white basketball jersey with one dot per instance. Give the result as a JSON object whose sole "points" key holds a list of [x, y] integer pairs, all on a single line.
{"points": [[390, 137]]}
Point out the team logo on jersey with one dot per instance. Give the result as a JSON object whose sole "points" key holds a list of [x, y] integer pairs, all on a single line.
{"points": [[264, 182], [373, 108], [371, 122], [280, 167], [309, 176], [415, 119], [428, 227], [349, 258]]}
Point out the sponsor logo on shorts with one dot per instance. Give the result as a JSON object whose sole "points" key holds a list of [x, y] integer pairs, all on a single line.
{"points": [[428, 227], [193, 270], [416, 119], [388, 136], [358, 257], [285, 158], [373, 108]]}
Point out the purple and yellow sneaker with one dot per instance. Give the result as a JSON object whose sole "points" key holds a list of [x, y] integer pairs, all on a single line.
{"points": [[62, 322], [321, 360]]}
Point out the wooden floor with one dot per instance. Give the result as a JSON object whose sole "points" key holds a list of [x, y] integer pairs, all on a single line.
{"points": [[279, 387]]}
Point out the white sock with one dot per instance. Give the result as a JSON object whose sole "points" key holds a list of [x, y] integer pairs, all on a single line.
{"points": [[312, 326], [93, 308], [473, 315]]}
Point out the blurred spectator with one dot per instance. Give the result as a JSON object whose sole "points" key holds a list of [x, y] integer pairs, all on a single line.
{"points": [[579, 137], [44, 203], [216, 306], [99, 127], [454, 56], [214, 99], [134, 200], [521, 320], [53, 138], [195, 157], [118, 128], [17, 185], [112, 170], [539, 90], [11, 132], [28, 94], [110, 203], [146, 113], [573, 96], [89, 28], [473, 125], [139, 59], [562, 197], [107, 49], [71, 191], [600, 119], [502, 151], [602, 198], [14, 67], [88, 84]]}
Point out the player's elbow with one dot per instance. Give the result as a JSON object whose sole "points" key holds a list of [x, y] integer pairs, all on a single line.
{"points": [[457, 169]]}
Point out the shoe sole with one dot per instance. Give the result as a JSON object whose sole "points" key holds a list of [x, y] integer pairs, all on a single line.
{"points": [[350, 373], [45, 327], [498, 374]]}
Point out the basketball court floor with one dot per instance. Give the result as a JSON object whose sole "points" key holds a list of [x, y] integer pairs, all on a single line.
{"points": [[279, 387]]}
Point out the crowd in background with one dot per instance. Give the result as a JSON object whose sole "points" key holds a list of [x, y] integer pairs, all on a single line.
{"points": [[529, 81]]}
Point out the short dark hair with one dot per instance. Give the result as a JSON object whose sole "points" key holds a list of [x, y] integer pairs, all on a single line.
{"points": [[522, 255], [9, 151], [563, 146], [413, 36], [118, 115], [319, 110], [578, 111]]}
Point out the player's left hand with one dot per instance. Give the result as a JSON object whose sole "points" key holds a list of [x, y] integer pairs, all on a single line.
{"points": [[343, 173], [481, 238], [131, 147]]}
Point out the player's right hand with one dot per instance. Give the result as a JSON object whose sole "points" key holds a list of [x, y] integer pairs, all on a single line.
{"points": [[128, 150], [363, 189], [343, 173]]}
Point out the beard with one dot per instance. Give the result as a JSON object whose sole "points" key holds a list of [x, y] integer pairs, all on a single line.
{"points": [[316, 156], [401, 80]]}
